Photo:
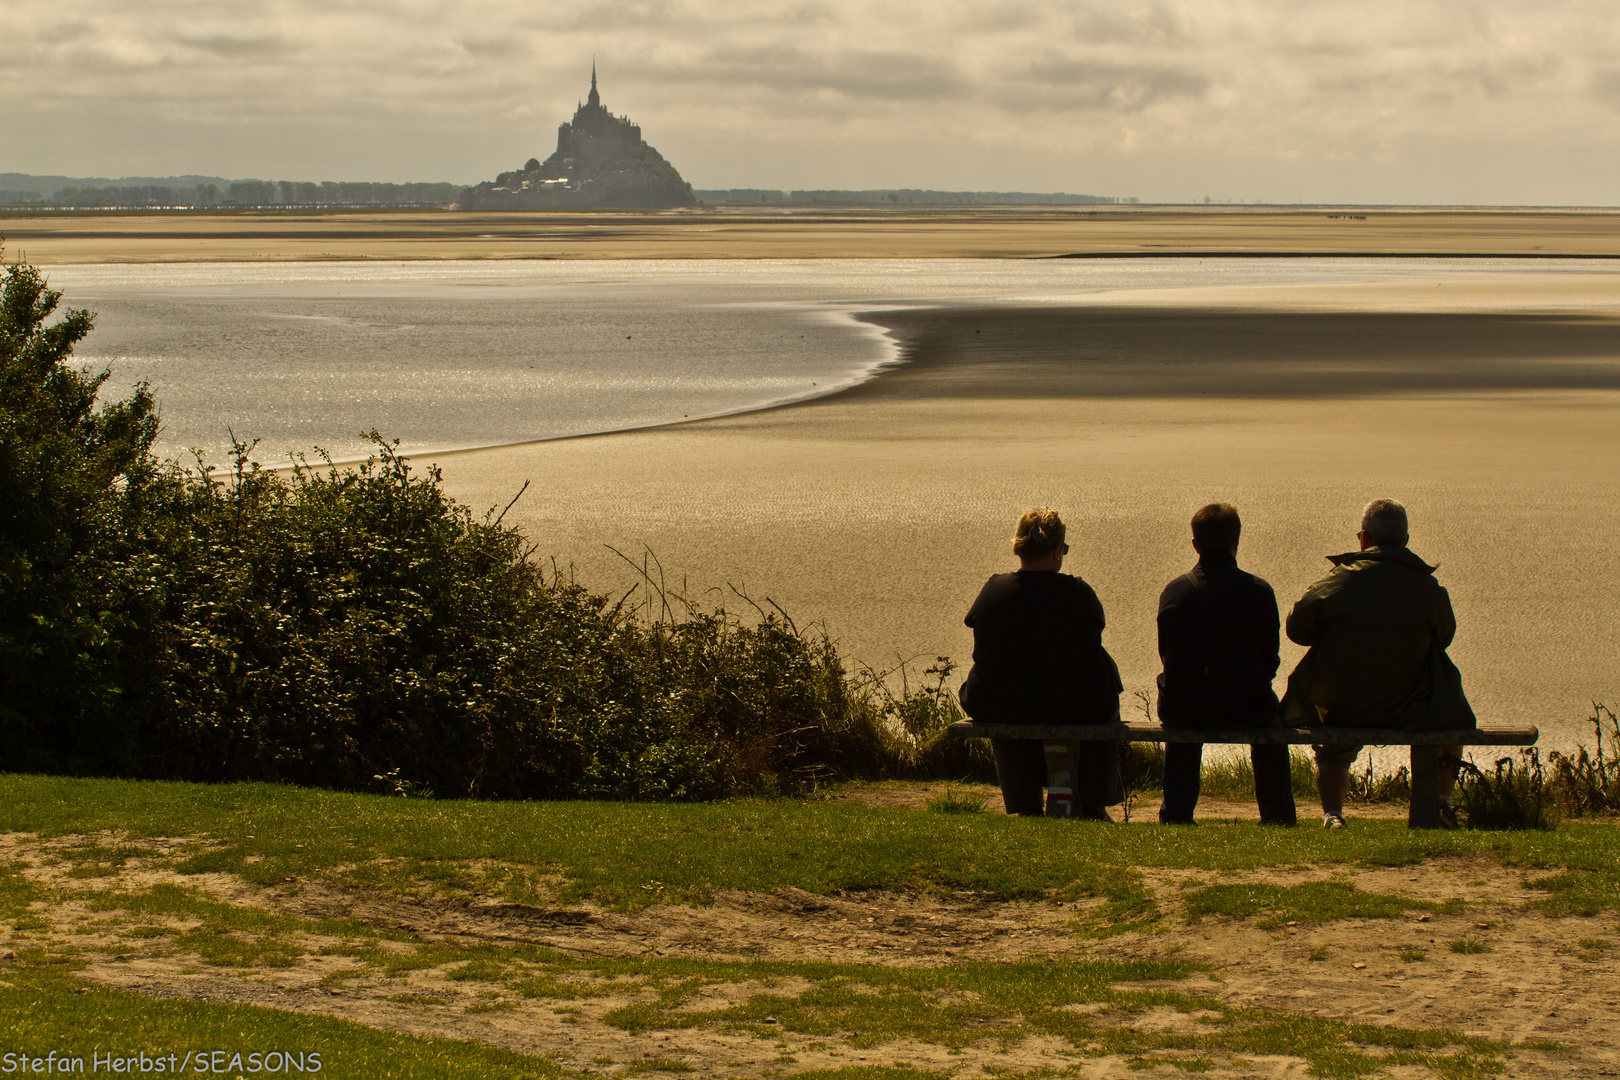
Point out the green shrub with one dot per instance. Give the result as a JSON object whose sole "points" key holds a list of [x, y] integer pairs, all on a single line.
{"points": [[74, 481], [358, 629]]}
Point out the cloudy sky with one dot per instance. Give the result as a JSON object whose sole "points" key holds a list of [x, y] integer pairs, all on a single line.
{"points": [[1403, 101]]}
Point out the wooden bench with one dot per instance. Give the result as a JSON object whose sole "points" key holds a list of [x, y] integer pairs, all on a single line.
{"points": [[1424, 812]]}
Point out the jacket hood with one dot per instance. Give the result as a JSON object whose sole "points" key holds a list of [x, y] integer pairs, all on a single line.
{"points": [[1400, 555]]}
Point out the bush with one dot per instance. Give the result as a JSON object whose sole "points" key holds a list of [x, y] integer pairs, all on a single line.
{"points": [[74, 482], [358, 629]]}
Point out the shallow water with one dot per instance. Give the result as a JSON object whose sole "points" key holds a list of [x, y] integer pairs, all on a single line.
{"points": [[465, 354]]}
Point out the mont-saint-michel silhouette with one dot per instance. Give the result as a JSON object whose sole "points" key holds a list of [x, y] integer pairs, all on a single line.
{"points": [[600, 161]]}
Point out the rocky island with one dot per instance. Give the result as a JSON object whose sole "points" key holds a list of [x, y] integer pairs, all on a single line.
{"points": [[600, 162]]}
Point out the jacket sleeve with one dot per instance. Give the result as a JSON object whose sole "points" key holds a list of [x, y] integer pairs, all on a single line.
{"points": [[1268, 628], [1305, 622], [1178, 647]]}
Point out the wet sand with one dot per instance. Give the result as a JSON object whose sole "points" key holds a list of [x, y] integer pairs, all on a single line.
{"points": [[1492, 412], [54, 239]]}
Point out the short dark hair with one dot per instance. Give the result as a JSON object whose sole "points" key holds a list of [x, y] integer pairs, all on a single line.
{"points": [[1217, 527], [1384, 522]]}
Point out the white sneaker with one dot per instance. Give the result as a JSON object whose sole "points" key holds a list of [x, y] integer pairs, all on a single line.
{"points": [[1332, 821]]}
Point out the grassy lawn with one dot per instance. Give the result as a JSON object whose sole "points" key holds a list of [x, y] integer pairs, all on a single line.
{"points": [[42, 1010], [625, 857]]}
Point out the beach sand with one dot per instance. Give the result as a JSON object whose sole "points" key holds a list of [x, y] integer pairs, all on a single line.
{"points": [[56, 238], [1489, 407]]}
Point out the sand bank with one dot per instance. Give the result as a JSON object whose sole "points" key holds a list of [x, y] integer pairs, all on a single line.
{"points": [[53, 239], [881, 511]]}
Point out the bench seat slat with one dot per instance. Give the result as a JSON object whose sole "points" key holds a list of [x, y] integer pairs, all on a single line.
{"points": [[1138, 731]]}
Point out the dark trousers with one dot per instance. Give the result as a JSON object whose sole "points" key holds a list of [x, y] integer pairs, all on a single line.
{"points": [[1273, 789], [1021, 771]]}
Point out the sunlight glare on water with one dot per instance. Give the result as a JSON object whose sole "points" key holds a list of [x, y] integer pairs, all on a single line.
{"points": [[463, 354]]}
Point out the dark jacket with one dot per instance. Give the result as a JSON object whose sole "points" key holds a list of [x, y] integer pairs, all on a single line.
{"points": [[1218, 638], [1037, 653], [1377, 626]]}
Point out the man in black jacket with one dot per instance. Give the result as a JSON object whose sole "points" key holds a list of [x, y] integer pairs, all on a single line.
{"points": [[1218, 638]]}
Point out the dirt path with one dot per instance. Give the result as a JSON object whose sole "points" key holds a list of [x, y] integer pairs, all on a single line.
{"points": [[1546, 981]]}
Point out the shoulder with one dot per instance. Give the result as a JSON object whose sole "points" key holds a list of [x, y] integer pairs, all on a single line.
{"points": [[1258, 584], [998, 586], [1074, 583], [1326, 586], [1180, 587]]}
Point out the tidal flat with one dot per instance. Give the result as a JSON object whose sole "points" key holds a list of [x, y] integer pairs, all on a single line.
{"points": [[1489, 406]]}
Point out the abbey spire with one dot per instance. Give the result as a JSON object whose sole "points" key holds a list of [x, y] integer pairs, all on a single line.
{"points": [[600, 160]]}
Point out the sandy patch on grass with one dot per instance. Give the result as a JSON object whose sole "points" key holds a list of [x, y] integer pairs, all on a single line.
{"points": [[1535, 981]]}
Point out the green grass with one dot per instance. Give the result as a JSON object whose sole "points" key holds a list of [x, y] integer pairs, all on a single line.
{"points": [[628, 856], [611, 852], [1230, 775], [1469, 946], [967, 1004], [953, 801], [43, 1010], [1311, 902]]}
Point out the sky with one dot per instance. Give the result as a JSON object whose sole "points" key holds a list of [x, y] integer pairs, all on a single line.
{"points": [[1383, 101]]}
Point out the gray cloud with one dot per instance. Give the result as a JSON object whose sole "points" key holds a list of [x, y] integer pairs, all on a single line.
{"points": [[851, 73], [234, 47], [1111, 95], [1059, 85]]}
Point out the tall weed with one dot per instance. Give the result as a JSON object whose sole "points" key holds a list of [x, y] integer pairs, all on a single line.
{"points": [[1510, 796], [1589, 782], [1531, 794]]}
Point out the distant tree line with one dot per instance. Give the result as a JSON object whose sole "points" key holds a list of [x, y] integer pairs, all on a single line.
{"points": [[340, 193], [142, 195], [240, 193], [901, 197]]}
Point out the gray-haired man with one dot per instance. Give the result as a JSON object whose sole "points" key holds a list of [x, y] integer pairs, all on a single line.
{"points": [[1377, 626]]}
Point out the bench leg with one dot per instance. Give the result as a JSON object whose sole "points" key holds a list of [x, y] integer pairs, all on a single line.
{"points": [[1425, 808]]}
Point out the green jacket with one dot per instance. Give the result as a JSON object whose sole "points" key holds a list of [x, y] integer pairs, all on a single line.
{"points": [[1377, 626]]}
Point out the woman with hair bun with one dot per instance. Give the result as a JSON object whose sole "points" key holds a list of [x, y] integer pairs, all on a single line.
{"points": [[1038, 659]]}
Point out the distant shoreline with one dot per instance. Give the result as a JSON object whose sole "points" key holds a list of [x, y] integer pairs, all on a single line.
{"points": [[79, 237]]}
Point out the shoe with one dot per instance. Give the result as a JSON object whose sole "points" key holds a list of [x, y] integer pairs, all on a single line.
{"points": [[1094, 813], [1332, 821], [1448, 816]]}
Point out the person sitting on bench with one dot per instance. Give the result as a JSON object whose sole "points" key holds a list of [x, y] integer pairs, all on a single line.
{"points": [[1218, 639], [1038, 659], [1377, 626]]}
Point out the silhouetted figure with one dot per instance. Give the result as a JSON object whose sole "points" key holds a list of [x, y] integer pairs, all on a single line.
{"points": [[1218, 639], [1377, 625], [1038, 659]]}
